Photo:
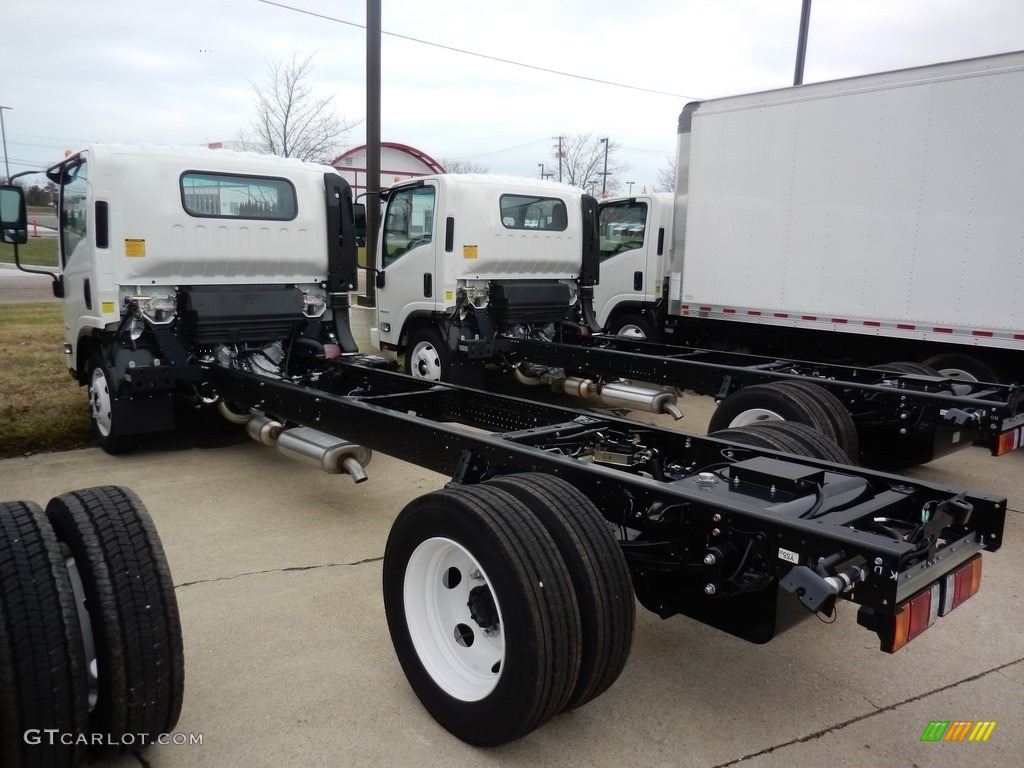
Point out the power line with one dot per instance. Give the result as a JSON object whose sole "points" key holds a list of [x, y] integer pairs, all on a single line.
{"points": [[481, 55], [501, 151]]}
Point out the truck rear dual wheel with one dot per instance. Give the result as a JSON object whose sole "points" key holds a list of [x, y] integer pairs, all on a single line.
{"points": [[483, 612], [599, 574], [918, 369], [42, 660], [787, 401], [963, 368], [786, 437], [121, 580]]}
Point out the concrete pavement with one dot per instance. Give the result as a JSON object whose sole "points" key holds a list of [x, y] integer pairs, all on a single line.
{"points": [[289, 662]]}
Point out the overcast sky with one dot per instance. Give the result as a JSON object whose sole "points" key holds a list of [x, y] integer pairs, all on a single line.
{"points": [[177, 72]]}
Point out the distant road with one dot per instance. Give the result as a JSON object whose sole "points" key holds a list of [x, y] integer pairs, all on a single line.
{"points": [[17, 287]]}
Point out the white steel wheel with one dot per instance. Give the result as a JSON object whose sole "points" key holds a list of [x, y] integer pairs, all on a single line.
{"points": [[777, 401], [454, 619], [100, 401], [482, 613], [108, 418], [426, 357], [635, 327], [754, 416]]}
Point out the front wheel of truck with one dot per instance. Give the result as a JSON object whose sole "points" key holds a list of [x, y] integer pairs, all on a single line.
{"points": [[106, 411], [426, 356]]}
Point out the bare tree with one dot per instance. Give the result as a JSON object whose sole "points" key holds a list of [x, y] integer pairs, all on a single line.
{"points": [[290, 121], [583, 163], [666, 176], [463, 166]]}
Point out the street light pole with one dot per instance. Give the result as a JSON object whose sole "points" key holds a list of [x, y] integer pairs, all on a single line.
{"points": [[631, 183], [541, 166], [604, 175], [3, 134]]}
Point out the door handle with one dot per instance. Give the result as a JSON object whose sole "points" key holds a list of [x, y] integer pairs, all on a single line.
{"points": [[638, 281]]}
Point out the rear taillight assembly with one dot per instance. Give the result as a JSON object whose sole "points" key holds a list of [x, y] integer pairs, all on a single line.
{"points": [[918, 613]]}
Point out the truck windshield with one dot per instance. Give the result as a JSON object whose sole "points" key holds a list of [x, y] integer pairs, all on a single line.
{"points": [[623, 226]]}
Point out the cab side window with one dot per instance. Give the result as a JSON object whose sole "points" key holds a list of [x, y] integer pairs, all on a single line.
{"points": [[623, 227], [408, 222], [530, 212]]}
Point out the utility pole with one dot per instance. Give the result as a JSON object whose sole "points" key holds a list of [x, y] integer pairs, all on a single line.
{"points": [[559, 156], [801, 43], [3, 133], [604, 174], [373, 36]]}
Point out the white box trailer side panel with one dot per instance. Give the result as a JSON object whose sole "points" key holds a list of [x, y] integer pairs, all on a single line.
{"points": [[890, 198]]}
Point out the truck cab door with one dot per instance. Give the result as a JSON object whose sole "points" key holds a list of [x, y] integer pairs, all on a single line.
{"points": [[83, 230], [629, 257], [407, 259]]}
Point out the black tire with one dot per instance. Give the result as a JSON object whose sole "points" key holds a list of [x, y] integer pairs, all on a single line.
{"points": [[788, 437], [777, 401], [633, 326], [133, 612], [598, 571], [107, 419], [486, 681], [964, 368], [916, 369], [427, 356], [843, 426], [42, 662]]}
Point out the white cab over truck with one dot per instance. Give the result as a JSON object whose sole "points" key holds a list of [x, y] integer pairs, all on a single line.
{"points": [[507, 250], [868, 219]]}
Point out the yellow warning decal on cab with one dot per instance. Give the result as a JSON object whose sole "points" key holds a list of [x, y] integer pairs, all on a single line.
{"points": [[134, 247], [449, 295], [469, 251], [107, 307]]}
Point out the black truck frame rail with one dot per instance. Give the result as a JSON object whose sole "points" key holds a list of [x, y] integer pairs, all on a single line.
{"points": [[902, 418], [709, 528]]}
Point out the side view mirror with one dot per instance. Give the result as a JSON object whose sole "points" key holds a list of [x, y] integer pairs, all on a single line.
{"points": [[379, 279], [13, 218], [359, 216]]}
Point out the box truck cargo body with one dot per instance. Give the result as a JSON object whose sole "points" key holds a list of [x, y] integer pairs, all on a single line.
{"points": [[880, 215]]}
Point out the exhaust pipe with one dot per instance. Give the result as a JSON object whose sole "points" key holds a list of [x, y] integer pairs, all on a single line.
{"points": [[616, 393], [628, 395], [333, 455], [263, 429]]}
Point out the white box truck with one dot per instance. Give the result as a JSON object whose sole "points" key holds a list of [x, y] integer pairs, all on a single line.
{"points": [[870, 219]]}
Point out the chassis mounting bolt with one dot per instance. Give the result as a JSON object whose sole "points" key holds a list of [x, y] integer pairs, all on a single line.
{"points": [[709, 559], [710, 589]]}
